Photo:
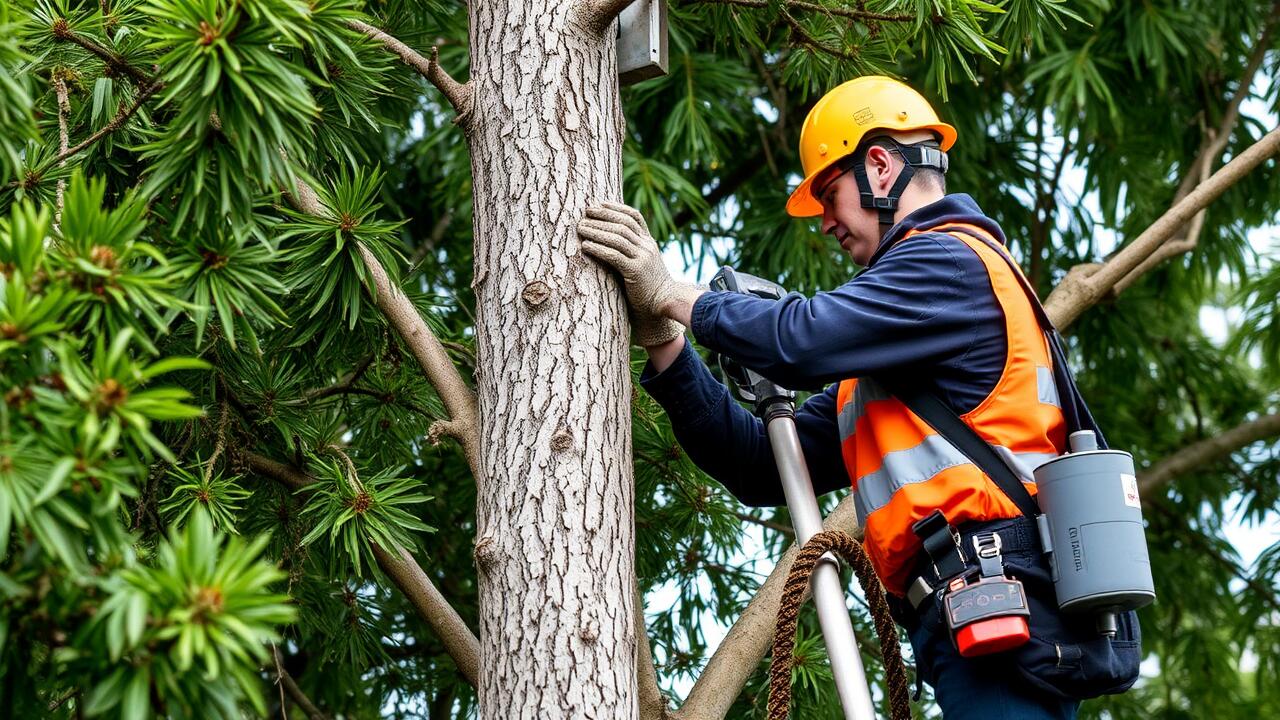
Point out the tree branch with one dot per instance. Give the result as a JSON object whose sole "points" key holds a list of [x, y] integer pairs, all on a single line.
{"points": [[458, 640], [405, 572], [727, 186], [804, 38], [295, 692], [1215, 142], [1206, 451], [459, 400], [776, 526], [220, 442], [60, 701], [351, 379], [1267, 594], [458, 94], [845, 12], [62, 31], [1180, 243], [437, 234], [653, 704], [64, 109], [144, 93], [1080, 290], [750, 637], [385, 397]]}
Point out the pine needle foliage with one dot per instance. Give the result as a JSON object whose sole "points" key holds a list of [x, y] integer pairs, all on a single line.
{"points": [[350, 513], [220, 497], [193, 627]]}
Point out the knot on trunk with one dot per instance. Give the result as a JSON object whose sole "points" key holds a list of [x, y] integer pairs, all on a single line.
{"points": [[485, 553], [535, 294], [561, 440]]}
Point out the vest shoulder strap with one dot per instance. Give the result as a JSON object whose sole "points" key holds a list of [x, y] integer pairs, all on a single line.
{"points": [[1075, 412]]}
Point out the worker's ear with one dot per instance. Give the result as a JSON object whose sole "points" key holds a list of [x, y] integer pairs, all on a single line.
{"points": [[879, 170]]}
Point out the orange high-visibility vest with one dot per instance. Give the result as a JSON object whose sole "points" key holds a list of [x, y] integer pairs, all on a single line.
{"points": [[902, 469]]}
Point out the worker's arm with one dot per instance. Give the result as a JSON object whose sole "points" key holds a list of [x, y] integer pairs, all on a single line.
{"points": [[920, 303], [729, 443]]}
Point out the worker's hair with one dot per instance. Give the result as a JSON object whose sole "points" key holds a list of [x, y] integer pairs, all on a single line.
{"points": [[929, 176]]}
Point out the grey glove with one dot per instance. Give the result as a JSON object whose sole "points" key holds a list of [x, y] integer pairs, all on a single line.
{"points": [[617, 236]]}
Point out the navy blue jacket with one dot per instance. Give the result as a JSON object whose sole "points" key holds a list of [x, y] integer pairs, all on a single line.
{"points": [[923, 306]]}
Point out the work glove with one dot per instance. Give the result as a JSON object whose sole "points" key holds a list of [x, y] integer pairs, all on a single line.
{"points": [[617, 236]]}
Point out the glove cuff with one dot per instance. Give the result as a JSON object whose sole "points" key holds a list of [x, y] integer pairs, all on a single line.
{"points": [[656, 331]]}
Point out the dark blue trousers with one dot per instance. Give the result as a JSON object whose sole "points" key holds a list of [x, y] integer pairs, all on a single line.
{"points": [[980, 688]]}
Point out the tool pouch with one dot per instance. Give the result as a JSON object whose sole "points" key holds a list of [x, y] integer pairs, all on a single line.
{"points": [[1065, 656]]}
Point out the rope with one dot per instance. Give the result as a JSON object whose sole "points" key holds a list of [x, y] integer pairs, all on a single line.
{"points": [[784, 634]]}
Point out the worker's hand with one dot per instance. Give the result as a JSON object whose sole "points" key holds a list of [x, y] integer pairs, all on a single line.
{"points": [[617, 236]]}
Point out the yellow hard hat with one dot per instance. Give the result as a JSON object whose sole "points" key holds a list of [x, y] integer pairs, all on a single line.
{"points": [[844, 116]]}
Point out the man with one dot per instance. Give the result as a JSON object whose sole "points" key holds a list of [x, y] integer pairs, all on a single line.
{"points": [[938, 304]]}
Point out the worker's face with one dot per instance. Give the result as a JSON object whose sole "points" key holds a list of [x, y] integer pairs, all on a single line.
{"points": [[856, 228]]}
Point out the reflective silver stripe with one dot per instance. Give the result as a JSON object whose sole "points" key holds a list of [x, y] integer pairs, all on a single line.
{"points": [[869, 391], [1024, 463], [922, 463], [866, 391], [904, 467], [1046, 388]]}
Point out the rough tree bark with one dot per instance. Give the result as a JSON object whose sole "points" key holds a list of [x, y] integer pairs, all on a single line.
{"points": [[554, 512]]}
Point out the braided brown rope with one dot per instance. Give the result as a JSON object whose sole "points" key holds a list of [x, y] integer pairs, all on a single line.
{"points": [[784, 634]]}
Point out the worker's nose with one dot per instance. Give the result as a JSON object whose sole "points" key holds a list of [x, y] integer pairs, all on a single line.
{"points": [[828, 222]]}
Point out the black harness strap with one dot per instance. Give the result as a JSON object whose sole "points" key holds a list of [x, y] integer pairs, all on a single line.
{"points": [[922, 155], [943, 419]]}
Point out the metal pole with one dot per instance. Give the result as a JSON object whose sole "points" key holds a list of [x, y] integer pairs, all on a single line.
{"points": [[828, 592]]}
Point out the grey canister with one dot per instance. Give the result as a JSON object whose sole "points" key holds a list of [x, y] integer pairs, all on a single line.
{"points": [[1092, 529]]}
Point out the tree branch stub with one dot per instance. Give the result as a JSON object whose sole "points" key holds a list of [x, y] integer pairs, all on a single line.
{"points": [[598, 15]]}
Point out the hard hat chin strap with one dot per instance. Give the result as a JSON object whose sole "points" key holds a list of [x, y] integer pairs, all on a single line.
{"points": [[923, 155]]}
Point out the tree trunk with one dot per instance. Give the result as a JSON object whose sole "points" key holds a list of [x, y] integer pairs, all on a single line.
{"points": [[555, 529]]}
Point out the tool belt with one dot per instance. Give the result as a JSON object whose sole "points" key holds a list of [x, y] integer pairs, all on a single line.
{"points": [[956, 556], [1064, 657]]}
